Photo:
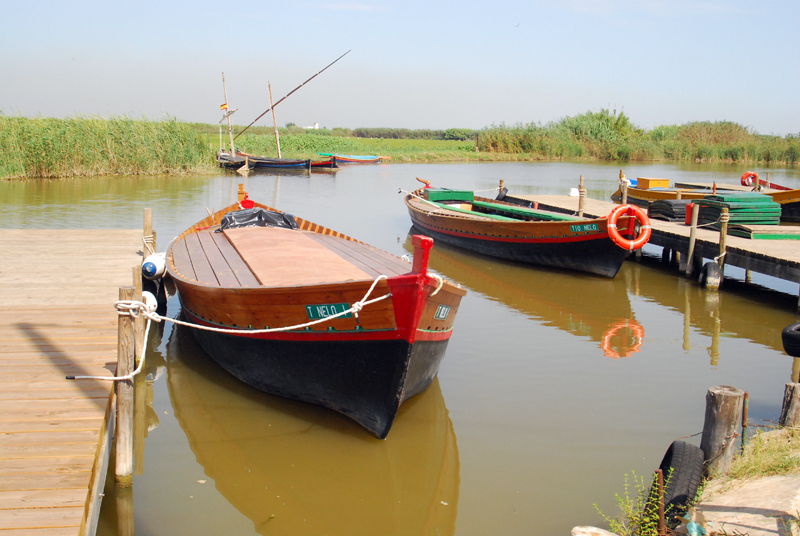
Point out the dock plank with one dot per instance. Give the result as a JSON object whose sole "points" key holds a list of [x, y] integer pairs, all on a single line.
{"points": [[54, 321]]}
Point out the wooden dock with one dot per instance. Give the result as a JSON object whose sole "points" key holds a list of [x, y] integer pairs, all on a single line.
{"points": [[57, 290], [776, 258]]}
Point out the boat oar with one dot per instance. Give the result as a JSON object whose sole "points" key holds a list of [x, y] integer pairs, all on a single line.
{"points": [[292, 91]]}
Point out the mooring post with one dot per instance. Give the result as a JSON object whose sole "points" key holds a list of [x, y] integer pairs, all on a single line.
{"points": [[581, 197], [147, 233], [692, 239], [241, 192], [790, 411], [745, 411], [125, 358], [723, 233], [724, 405]]}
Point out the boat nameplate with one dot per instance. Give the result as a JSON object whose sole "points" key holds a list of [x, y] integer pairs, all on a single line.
{"points": [[584, 227], [316, 312], [441, 312]]}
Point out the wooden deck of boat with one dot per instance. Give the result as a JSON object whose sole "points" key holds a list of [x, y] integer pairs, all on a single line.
{"points": [[57, 290], [776, 258], [270, 256]]}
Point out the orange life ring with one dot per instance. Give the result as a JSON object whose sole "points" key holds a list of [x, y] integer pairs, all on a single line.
{"points": [[644, 232], [638, 335], [749, 178]]}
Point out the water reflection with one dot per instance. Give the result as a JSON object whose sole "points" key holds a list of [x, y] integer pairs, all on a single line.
{"points": [[293, 468], [580, 304]]}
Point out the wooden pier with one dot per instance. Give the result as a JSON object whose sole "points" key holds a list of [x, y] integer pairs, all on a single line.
{"points": [[776, 258], [57, 318]]}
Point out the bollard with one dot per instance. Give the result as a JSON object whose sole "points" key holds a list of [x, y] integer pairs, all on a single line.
{"points": [[581, 197], [724, 406], [692, 239], [125, 358], [790, 410]]}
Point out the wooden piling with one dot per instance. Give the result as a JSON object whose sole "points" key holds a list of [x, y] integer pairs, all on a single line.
{"points": [[124, 504], [692, 240], [745, 413], [724, 405], [581, 197], [125, 365], [723, 233], [147, 233], [790, 411], [274, 121]]}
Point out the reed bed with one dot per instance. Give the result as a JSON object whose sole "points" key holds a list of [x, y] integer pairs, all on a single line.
{"points": [[607, 135], [81, 146]]}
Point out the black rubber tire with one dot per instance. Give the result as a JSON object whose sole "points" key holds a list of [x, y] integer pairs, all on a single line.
{"points": [[501, 195], [791, 339], [683, 471]]}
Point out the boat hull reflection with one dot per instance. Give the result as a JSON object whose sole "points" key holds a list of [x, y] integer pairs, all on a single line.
{"points": [[579, 304], [293, 468]]}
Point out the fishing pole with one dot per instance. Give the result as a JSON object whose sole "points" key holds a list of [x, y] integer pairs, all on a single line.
{"points": [[292, 91]]}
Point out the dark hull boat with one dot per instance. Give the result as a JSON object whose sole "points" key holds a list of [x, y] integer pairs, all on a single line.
{"points": [[235, 163], [528, 235], [292, 272], [265, 162]]}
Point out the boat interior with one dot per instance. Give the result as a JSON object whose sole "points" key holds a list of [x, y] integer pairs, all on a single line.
{"points": [[466, 203], [278, 257]]}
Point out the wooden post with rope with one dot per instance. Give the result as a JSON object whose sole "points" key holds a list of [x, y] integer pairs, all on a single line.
{"points": [[723, 233], [125, 365], [724, 406], [692, 240], [274, 121]]}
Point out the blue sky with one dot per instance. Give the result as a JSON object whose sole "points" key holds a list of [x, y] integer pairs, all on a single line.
{"points": [[413, 64]]}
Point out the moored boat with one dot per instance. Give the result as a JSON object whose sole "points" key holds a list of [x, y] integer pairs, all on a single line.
{"points": [[310, 314], [233, 162], [266, 162], [355, 158], [530, 235]]}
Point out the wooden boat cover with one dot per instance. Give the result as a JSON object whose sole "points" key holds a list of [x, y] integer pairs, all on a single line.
{"points": [[285, 257]]}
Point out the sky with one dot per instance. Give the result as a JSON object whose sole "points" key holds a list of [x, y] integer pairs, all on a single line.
{"points": [[414, 64]]}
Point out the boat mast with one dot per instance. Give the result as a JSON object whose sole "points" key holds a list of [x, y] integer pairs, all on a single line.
{"points": [[228, 115], [274, 121]]}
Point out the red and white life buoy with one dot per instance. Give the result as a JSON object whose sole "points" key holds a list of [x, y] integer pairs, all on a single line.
{"points": [[749, 178], [644, 229]]}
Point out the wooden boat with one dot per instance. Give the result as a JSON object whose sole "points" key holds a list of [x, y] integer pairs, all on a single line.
{"points": [[265, 162], [291, 273], [234, 162], [529, 235], [292, 455], [355, 158]]}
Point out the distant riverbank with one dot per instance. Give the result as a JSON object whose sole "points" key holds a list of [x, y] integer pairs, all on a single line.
{"points": [[88, 146]]}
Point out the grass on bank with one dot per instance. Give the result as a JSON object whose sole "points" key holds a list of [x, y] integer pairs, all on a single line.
{"points": [[81, 146], [608, 135]]}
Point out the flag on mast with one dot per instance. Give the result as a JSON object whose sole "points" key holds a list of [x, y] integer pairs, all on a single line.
{"points": [[224, 106]]}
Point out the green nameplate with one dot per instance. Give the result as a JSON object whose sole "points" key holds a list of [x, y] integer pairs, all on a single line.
{"points": [[315, 312], [584, 228]]}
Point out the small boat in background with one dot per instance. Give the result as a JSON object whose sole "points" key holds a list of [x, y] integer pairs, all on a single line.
{"points": [[234, 163], [310, 314], [266, 162], [355, 159], [527, 234]]}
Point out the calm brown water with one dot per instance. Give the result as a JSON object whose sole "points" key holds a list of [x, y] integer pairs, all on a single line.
{"points": [[544, 401]]}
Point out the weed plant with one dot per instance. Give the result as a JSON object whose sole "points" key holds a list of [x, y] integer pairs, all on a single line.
{"points": [[638, 511]]}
